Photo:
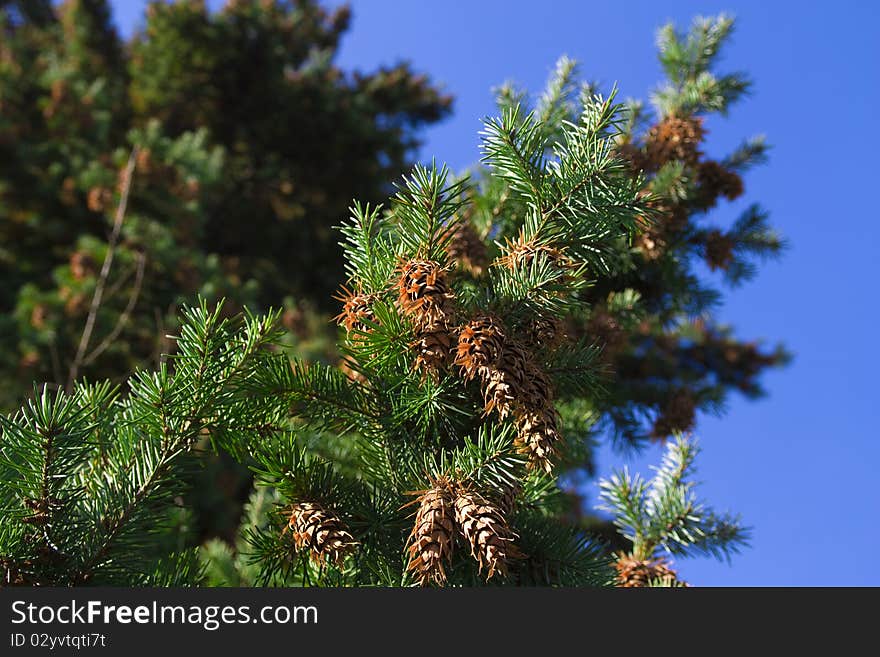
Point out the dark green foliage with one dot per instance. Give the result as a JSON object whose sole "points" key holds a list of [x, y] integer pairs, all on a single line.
{"points": [[250, 145], [91, 479]]}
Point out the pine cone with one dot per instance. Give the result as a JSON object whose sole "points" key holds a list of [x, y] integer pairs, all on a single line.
{"points": [[632, 154], [521, 254], [544, 332], [507, 498], [356, 308], [651, 244], [714, 180], [679, 414], [674, 139], [466, 247], [719, 250], [538, 436], [321, 532], [538, 391], [486, 531], [424, 296], [673, 217], [654, 236], [433, 534], [635, 573], [433, 351], [480, 344], [507, 384], [39, 315]]}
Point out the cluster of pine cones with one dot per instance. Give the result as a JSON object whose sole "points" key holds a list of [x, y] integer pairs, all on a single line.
{"points": [[446, 511], [449, 509], [677, 415], [678, 139], [513, 384]]}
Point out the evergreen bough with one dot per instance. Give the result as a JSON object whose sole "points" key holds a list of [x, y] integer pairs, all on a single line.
{"points": [[437, 454]]}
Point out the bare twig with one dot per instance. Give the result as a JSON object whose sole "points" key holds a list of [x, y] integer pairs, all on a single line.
{"points": [[125, 316], [123, 280], [125, 187]]}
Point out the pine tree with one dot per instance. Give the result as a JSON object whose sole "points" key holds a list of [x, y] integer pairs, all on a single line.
{"points": [[248, 143], [439, 455]]}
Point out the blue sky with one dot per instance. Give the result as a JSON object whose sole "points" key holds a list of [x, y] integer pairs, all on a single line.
{"points": [[799, 465]]}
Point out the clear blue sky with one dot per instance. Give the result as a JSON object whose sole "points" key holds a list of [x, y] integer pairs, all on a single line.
{"points": [[801, 465]]}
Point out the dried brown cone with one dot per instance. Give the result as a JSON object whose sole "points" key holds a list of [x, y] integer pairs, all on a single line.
{"points": [[673, 217], [433, 351], [715, 180], [651, 243], [719, 250], [321, 532], [507, 498], [424, 295], [39, 315], [640, 573], [485, 528], [356, 307], [544, 333], [144, 160], [678, 415], [480, 345], [538, 391], [654, 234], [466, 248], [522, 253], [538, 437], [633, 156], [674, 139], [506, 385], [433, 534]]}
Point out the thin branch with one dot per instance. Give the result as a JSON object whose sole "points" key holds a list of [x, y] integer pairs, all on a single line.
{"points": [[105, 269], [125, 316], [111, 291]]}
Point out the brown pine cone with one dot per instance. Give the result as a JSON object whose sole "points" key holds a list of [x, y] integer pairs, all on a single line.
{"points": [[636, 573], [485, 528], [480, 344], [424, 296], [674, 139], [538, 437], [356, 308], [321, 532], [432, 539], [433, 351], [466, 248]]}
